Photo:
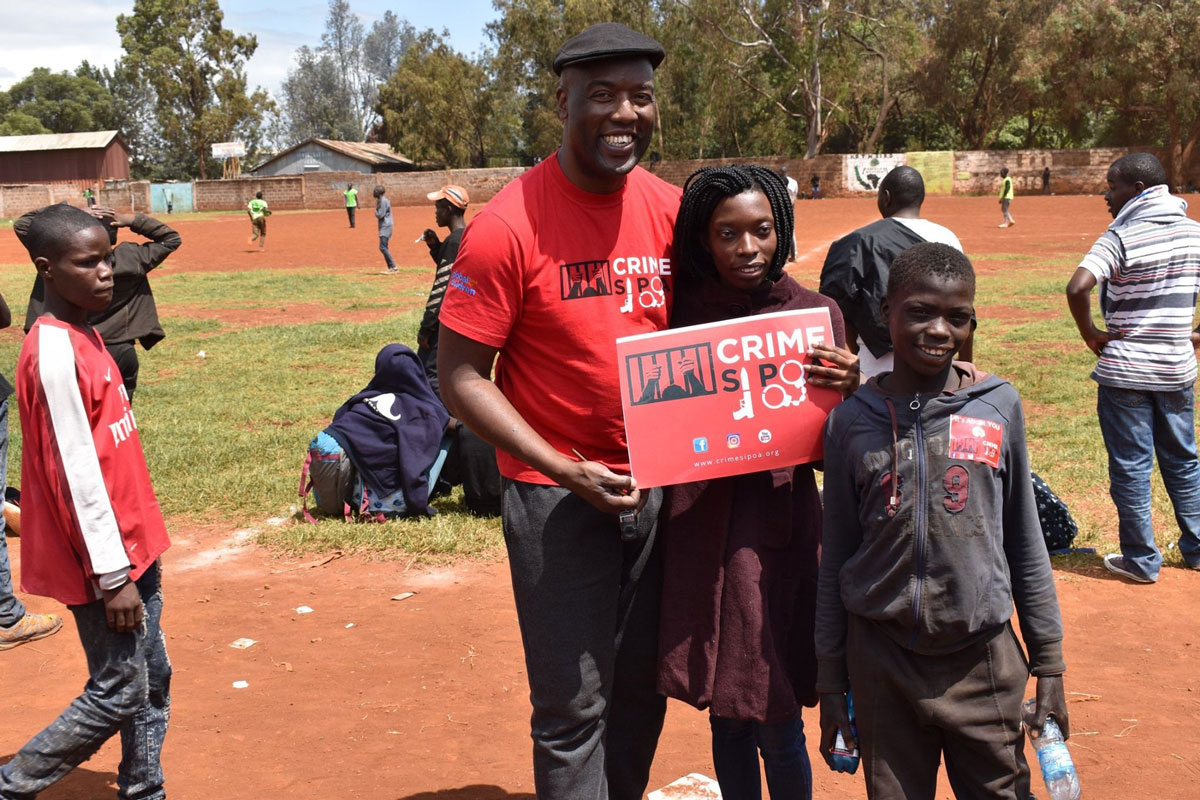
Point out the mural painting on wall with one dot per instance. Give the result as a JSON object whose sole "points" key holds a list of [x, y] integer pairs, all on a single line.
{"points": [[863, 173]]}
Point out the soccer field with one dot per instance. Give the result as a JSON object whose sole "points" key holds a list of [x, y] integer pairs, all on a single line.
{"points": [[425, 698]]}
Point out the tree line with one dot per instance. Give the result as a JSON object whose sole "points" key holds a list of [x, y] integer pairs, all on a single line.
{"points": [[743, 78]]}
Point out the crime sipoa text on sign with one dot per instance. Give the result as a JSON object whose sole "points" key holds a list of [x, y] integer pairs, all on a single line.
{"points": [[724, 398]]}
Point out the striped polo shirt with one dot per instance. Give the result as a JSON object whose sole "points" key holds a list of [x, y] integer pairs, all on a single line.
{"points": [[1148, 262]]}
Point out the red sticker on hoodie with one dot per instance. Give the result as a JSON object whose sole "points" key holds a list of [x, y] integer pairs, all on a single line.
{"points": [[974, 439]]}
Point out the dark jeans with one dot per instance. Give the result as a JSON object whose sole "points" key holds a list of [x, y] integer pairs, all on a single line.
{"points": [[472, 462], [736, 744], [125, 354], [11, 609], [587, 605], [350, 213], [1138, 426], [128, 691], [914, 711], [383, 248]]}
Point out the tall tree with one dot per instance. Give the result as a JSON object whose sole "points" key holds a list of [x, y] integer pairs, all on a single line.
{"points": [[131, 112], [972, 74], [196, 68], [63, 102], [315, 101], [440, 106], [332, 91], [1136, 64]]}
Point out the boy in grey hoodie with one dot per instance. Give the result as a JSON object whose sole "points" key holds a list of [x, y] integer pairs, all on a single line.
{"points": [[930, 534], [1148, 263]]}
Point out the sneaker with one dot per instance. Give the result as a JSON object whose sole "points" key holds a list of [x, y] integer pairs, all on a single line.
{"points": [[29, 628], [1116, 565], [1002, 225]]}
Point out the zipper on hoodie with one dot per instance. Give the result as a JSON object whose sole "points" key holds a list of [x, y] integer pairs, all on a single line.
{"points": [[919, 508]]}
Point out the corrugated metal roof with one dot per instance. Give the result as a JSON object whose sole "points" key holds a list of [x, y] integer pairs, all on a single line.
{"points": [[370, 152], [86, 140]]}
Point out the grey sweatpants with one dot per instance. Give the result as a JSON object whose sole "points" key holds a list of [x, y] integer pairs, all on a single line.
{"points": [[587, 605], [914, 710]]}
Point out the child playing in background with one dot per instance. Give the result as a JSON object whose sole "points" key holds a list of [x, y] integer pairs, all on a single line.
{"points": [[931, 532], [740, 553], [383, 215], [258, 212], [92, 530], [1006, 197]]}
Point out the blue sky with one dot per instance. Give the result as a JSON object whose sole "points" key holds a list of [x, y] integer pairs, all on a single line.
{"points": [[60, 34]]}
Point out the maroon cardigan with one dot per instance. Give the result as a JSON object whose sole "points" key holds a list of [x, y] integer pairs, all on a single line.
{"points": [[740, 558]]}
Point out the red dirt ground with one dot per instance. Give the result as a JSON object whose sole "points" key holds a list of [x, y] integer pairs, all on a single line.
{"points": [[426, 699]]}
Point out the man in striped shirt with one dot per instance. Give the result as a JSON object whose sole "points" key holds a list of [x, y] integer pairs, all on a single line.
{"points": [[1148, 266]]}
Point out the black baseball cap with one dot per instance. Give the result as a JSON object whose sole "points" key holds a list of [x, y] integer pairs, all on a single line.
{"points": [[608, 40]]}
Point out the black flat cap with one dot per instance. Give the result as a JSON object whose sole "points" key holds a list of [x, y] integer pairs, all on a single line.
{"points": [[608, 40]]}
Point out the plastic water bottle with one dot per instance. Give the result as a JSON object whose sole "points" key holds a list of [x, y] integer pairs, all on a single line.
{"points": [[845, 759], [1058, 770]]}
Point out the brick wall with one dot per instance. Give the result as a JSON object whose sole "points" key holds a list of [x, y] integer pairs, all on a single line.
{"points": [[127, 196], [324, 189], [282, 193]]}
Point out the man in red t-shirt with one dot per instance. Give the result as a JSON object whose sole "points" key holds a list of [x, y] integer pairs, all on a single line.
{"points": [[570, 256]]}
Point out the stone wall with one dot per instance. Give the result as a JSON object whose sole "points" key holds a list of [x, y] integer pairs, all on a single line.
{"points": [[282, 193], [828, 168]]}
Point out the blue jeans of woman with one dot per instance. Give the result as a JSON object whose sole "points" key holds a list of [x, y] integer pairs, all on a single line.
{"points": [[1138, 426], [736, 745], [128, 691]]}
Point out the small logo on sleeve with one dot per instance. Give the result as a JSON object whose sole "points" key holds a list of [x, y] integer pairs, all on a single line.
{"points": [[462, 283], [974, 439]]}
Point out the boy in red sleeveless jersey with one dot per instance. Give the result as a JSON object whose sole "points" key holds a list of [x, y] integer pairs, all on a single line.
{"points": [[92, 528]]}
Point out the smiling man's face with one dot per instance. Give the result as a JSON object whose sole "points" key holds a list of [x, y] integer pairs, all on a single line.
{"points": [[608, 112]]}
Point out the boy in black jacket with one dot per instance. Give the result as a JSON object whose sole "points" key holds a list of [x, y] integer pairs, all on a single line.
{"points": [[131, 316], [925, 553]]}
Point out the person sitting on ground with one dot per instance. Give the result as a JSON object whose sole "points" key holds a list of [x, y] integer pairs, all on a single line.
{"points": [[917, 586], [740, 553], [92, 530], [258, 212], [132, 315], [1148, 262], [856, 268]]}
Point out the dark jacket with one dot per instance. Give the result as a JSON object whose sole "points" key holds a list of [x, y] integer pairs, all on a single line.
{"points": [[856, 274], [964, 542], [740, 558], [393, 428], [132, 315]]}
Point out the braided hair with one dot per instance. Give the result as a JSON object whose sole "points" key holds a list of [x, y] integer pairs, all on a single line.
{"points": [[704, 190]]}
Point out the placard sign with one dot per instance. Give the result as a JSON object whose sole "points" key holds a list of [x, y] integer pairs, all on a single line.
{"points": [[724, 398]]}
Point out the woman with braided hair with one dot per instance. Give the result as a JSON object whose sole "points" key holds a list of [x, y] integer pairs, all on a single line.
{"points": [[741, 553]]}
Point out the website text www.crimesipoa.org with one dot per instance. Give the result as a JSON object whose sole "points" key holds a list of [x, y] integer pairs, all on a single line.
{"points": [[730, 459]]}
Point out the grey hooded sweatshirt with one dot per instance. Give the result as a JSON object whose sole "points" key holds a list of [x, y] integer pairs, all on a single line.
{"points": [[938, 563]]}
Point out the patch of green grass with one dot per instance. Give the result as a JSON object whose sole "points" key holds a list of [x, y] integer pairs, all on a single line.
{"points": [[256, 288]]}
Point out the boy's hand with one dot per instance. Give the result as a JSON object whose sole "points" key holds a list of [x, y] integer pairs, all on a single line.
{"points": [[835, 716], [842, 374], [1052, 702], [119, 220], [1095, 339], [430, 236], [123, 607]]}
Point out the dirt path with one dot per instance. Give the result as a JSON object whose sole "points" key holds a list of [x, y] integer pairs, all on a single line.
{"points": [[426, 697]]}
